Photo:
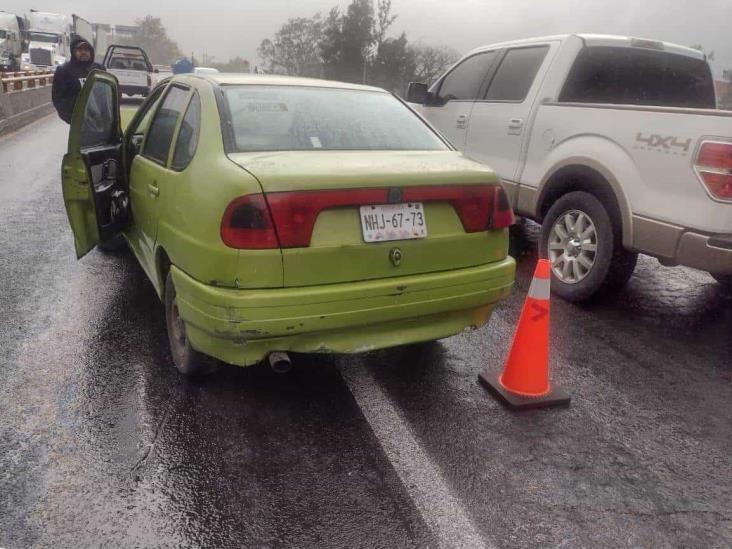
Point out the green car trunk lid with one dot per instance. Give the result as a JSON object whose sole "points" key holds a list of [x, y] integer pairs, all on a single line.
{"points": [[337, 251]]}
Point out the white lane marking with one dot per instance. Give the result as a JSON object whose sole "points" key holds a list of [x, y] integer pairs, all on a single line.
{"points": [[439, 508]]}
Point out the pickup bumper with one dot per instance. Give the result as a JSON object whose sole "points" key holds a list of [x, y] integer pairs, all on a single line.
{"points": [[707, 253], [134, 90], [243, 326]]}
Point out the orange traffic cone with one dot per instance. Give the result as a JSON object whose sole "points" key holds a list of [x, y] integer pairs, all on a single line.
{"points": [[524, 382]]}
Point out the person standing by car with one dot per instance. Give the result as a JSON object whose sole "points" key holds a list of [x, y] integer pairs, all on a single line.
{"points": [[70, 77]]}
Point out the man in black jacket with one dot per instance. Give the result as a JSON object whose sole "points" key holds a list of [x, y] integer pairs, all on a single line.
{"points": [[70, 77]]}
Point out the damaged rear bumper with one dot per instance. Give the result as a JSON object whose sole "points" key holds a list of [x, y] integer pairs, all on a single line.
{"points": [[242, 326]]}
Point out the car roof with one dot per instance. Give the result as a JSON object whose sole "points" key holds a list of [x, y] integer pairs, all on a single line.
{"points": [[599, 40], [243, 79]]}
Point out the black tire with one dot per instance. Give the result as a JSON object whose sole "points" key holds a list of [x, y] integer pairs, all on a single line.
{"points": [[725, 280], [186, 359], [113, 246], [612, 265]]}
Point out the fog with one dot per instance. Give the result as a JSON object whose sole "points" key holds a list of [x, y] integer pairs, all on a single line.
{"points": [[225, 30]]}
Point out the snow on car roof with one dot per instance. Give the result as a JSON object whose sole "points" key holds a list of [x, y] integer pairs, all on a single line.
{"points": [[599, 40], [229, 79]]}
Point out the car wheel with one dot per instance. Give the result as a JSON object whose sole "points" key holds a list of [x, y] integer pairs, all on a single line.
{"points": [[187, 360], [586, 253], [724, 279]]}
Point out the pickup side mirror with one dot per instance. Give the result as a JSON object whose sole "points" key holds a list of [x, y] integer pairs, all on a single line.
{"points": [[417, 93]]}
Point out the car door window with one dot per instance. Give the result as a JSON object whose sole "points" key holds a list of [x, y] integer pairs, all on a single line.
{"points": [[185, 146], [98, 124], [464, 81], [142, 120], [162, 128], [516, 73]]}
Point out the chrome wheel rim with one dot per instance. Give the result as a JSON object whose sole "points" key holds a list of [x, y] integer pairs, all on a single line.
{"points": [[177, 332], [572, 246]]}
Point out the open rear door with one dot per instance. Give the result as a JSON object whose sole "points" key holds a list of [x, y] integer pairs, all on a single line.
{"points": [[93, 175]]}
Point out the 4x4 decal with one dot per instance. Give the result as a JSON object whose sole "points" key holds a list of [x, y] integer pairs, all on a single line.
{"points": [[670, 144]]}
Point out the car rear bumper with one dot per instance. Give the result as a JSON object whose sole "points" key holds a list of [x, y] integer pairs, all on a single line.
{"points": [[243, 326]]}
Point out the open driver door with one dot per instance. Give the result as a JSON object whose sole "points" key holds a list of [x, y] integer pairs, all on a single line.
{"points": [[93, 173]]}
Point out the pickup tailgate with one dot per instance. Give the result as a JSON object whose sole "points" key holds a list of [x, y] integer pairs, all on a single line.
{"points": [[130, 77]]}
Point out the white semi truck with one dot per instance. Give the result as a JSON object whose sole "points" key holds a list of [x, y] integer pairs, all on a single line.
{"points": [[49, 37], [11, 41]]}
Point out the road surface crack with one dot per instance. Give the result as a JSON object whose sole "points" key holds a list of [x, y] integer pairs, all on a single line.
{"points": [[143, 459]]}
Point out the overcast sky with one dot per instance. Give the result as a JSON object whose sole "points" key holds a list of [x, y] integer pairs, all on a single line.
{"points": [[222, 29]]}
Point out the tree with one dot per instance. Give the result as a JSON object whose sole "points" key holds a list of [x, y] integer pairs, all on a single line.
{"points": [[294, 49], [154, 39], [431, 62], [353, 46], [330, 42], [384, 20], [394, 65], [347, 40]]}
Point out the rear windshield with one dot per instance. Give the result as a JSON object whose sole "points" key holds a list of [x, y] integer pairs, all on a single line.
{"points": [[126, 58], [289, 118], [128, 63], [631, 76]]}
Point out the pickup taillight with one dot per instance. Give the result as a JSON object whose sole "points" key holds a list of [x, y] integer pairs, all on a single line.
{"points": [[714, 167]]}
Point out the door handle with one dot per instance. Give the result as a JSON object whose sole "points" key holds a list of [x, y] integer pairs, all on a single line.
{"points": [[153, 189], [515, 124]]}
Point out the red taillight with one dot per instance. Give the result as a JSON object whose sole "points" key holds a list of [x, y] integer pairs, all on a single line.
{"points": [[480, 207], [502, 212], [295, 212], [247, 224], [714, 166]]}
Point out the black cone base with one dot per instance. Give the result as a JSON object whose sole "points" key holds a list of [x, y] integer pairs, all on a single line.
{"points": [[556, 396]]}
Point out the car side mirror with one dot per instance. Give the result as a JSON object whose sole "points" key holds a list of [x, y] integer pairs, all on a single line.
{"points": [[417, 93]]}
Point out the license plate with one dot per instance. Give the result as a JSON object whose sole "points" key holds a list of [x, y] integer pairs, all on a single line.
{"points": [[393, 222]]}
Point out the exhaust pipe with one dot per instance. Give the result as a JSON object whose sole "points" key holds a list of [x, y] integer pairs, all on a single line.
{"points": [[280, 362]]}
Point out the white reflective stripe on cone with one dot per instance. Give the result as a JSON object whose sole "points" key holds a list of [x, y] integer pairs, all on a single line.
{"points": [[540, 288]]}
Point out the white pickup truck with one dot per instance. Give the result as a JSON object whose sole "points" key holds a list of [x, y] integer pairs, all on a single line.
{"points": [[132, 68], [612, 143]]}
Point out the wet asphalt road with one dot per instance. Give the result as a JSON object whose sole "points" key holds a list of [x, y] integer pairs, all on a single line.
{"points": [[102, 443]]}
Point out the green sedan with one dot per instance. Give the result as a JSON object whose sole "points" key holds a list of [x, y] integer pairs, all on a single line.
{"points": [[276, 214]]}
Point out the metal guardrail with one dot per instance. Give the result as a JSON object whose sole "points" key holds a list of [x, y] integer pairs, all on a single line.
{"points": [[19, 81]]}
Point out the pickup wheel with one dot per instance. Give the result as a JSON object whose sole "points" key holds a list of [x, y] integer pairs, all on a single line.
{"points": [[586, 253], [187, 360]]}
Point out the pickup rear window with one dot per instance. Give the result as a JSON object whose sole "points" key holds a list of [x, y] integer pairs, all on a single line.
{"points": [[631, 76]]}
